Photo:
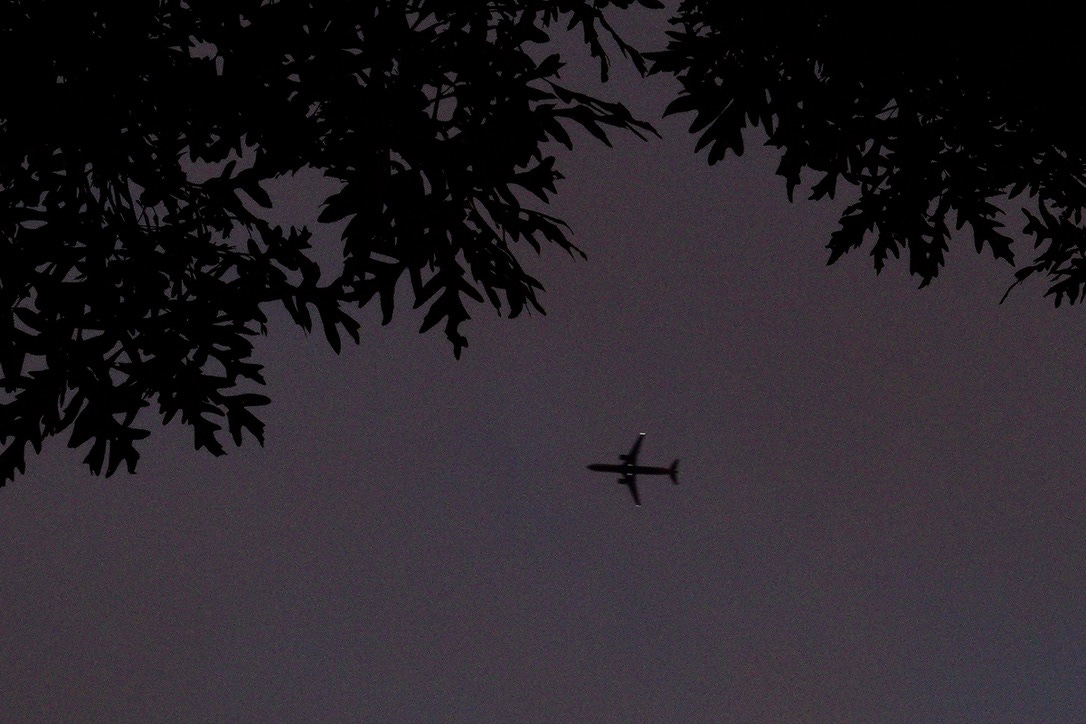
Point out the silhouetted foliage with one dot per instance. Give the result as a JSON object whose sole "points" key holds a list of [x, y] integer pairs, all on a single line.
{"points": [[934, 120], [137, 250]]}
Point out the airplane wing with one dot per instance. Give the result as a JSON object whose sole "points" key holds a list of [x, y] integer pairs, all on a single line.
{"points": [[631, 481], [631, 458]]}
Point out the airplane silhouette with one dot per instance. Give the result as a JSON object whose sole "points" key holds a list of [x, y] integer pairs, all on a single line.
{"points": [[629, 469]]}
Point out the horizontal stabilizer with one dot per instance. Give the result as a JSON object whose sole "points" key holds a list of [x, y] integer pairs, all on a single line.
{"points": [[673, 472]]}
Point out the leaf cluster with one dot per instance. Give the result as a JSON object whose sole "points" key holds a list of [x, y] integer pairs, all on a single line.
{"points": [[138, 248], [934, 121]]}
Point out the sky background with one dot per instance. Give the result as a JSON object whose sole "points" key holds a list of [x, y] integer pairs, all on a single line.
{"points": [[880, 515]]}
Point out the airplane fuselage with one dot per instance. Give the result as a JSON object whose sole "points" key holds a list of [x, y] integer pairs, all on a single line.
{"points": [[629, 469]]}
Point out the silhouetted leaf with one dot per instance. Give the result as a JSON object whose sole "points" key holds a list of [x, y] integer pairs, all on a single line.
{"points": [[258, 194]]}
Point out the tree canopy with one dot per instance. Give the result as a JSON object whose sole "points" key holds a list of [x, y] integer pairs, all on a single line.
{"points": [[933, 120], [137, 247]]}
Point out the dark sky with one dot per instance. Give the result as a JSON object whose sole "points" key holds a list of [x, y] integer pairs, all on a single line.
{"points": [[881, 515]]}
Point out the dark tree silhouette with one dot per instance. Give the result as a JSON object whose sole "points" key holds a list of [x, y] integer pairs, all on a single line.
{"points": [[136, 246], [933, 120]]}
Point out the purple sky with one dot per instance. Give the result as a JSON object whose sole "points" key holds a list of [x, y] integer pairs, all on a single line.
{"points": [[881, 515]]}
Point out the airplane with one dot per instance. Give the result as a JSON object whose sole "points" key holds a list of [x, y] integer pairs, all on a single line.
{"points": [[629, 469]]}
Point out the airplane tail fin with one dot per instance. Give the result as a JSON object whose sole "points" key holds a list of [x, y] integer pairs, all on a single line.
{"points": [[673, 472]]}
